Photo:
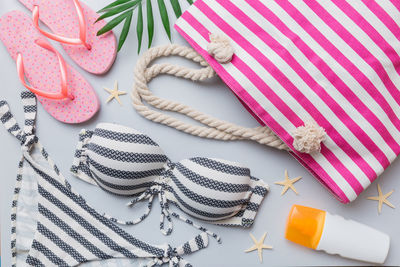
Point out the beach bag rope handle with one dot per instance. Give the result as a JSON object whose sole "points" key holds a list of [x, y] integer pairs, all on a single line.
{"points": [[213, 128]]}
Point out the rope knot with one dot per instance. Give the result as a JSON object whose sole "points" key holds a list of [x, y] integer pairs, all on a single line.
{"points": [[308, 138], [220, 48]]}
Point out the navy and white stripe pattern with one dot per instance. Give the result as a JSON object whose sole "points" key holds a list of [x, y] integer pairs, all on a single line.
{"points": [[120, 159], [124, 161], [215, 190], [26, 137], [68, 232]]}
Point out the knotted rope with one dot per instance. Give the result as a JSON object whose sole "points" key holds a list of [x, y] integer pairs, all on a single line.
{"points": [[213, 128]]}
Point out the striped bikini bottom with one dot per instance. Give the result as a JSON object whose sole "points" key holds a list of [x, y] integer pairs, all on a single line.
{"points": [[52, 225]]}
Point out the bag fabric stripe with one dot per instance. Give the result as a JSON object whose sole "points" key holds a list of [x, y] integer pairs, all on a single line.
{"points": [[334, 62], [335, 183]]}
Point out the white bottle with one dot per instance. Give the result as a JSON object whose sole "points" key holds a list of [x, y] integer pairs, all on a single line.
{"points": [[320, 230]]}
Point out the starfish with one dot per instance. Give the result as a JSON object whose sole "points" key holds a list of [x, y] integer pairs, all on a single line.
{"points": [[382, 198], [258, 245], [288, 183], [114, 93]]}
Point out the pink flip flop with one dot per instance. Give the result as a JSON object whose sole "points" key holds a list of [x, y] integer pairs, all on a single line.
{"points": [[73, 25], [75, 100]]}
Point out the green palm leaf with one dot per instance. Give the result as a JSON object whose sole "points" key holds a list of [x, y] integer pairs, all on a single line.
{"points": [[125, 30], [113, 4], [114, 22], [139, 27], [164, 17], [177, 8], [118, 9], [150, 22], [123, 12]]}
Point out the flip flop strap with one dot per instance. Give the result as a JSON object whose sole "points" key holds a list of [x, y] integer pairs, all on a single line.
{"points": [[63, 69], [62, 39]]}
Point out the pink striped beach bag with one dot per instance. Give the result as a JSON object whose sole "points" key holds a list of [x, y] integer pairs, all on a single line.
{"points": [[328, 70]]}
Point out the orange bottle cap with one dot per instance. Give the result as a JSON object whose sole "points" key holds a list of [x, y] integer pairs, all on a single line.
{"points": [[305, 226]]}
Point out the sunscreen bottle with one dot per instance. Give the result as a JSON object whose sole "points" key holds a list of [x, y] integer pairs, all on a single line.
{"points": [[320, 230]]}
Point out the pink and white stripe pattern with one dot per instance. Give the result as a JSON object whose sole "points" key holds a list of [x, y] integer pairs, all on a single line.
{"points": [[335, 62]]}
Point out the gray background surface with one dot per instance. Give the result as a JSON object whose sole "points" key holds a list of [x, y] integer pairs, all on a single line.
{"points": [[216, 99]]}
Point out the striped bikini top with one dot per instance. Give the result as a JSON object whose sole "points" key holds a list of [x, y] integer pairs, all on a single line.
{"points": [[124, 161], [52, 225]]}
